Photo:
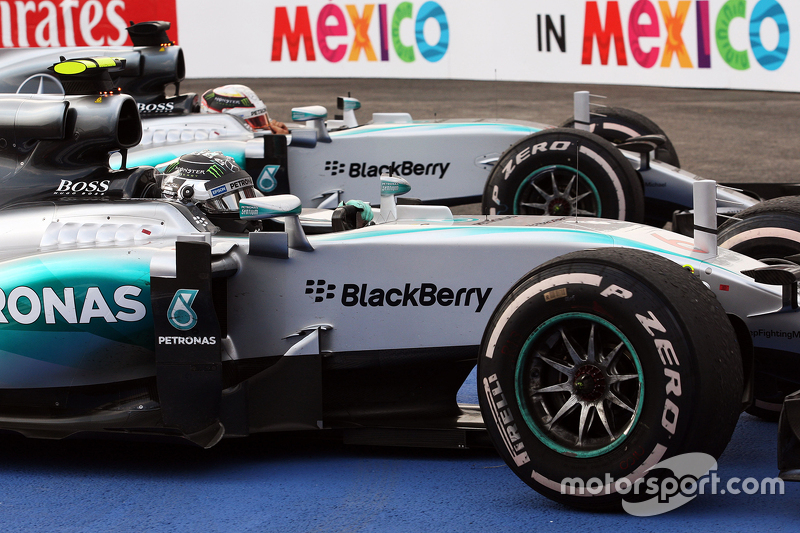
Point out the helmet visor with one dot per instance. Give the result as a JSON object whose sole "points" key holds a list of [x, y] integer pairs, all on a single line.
{"points": [[230, 202], [260, 122], [226, 193]]}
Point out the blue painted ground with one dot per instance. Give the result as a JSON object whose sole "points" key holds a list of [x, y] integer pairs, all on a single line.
{"points": [[262, 484]]}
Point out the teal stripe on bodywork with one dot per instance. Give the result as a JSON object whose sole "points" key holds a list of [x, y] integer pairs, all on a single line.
{"points": [[151, 157], [564, 235], [64, 343], [460, 231], [425, 127]]}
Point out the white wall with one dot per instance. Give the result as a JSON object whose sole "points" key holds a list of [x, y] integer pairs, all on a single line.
{"points": [[750, 42]]}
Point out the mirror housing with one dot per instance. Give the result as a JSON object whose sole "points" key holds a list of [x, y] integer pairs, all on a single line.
{"points": [[316, 115], [391, 188], [282, 205]]}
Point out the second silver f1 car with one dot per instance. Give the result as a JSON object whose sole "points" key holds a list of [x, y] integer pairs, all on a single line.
{"points": [[511, 166]]}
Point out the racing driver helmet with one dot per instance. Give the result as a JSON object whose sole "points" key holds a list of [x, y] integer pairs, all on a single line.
{"points": [[211, 180], [237, 100]]}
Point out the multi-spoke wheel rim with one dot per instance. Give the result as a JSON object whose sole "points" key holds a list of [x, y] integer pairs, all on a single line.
{"points": [[579, 385], [557, 190]]}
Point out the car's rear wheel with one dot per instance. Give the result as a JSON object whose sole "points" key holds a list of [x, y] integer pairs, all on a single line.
{"points": [[768, 231], [563, 172], [601, 364], [617, 125]]}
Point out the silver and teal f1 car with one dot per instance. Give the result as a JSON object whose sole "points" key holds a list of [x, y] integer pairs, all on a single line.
{"points": [[512, 167], [602, 347]]}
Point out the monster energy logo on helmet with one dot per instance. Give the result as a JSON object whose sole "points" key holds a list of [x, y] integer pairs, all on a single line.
{"points": [[237, 100], [215, 171], [204, 164]]}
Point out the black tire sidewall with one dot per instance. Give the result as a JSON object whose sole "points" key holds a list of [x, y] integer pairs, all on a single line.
{"points": [[618, 186], [648, 436]]}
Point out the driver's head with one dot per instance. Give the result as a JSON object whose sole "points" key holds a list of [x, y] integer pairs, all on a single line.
{"points": [[238, 100], [211, 180]]}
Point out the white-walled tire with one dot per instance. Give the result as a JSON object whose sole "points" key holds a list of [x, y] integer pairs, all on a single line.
{"points": [[617, 125], [564, 172], [769, 229], [603, 363]]}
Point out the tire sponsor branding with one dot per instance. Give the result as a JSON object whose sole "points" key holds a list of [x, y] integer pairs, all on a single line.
{"points": [[504, 420], [669, 419], [424, 295], [25, 306], [528, 151], [402, 168], [554, 289]]}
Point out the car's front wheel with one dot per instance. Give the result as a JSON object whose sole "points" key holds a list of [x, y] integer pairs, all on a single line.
{"points": [[600, 365], [563, 172], [617, 125]]}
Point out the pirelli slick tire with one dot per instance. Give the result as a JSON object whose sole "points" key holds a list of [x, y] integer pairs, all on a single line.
{"points": [[601, 364], [769, 229], [766, 231], [617, 124], [564, 172]]}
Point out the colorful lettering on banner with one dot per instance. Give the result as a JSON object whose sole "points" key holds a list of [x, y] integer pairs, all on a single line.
{"points": [[643, 21], [612, 29], [403, 11], [283, 30], [637, 30], [731, 10], [770, 60], [331, 22], [41, 23], [674, 24], [703, 35], [432, 10], [323, 31], [361, 40]]}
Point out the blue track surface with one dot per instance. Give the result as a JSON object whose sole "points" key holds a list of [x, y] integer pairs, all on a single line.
{"points": [[294, 484]]}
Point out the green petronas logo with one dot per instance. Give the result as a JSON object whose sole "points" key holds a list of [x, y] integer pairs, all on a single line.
{"points": [[180, 313]]}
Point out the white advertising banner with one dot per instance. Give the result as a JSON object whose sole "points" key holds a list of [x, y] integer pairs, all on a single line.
{"points": [[741, 44]]}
